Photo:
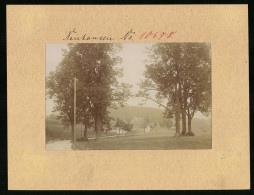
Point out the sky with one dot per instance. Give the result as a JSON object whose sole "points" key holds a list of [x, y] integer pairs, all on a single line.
{"points": [[133, 63], [133, 56]]}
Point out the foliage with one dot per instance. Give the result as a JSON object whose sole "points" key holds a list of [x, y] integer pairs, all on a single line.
{"points": [[121, 124], [178, 78], [95, 68]]}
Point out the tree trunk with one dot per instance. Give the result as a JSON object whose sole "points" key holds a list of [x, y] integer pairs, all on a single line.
{"points": [[85, 133], [177, 112], [72, 132], [189, 124], [190, 133], [183, 106], [98, 127], [95, 124], [177, 121], [183, 123]]}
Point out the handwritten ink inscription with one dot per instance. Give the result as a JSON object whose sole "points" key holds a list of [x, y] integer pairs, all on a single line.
{"points": [[129, 35], [73, 35], [156, 35]]}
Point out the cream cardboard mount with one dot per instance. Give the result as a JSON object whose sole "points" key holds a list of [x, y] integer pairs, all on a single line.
{"points": [[30, 166]]}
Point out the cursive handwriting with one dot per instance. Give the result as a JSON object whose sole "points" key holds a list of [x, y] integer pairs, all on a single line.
{"points": [[129, 35], [73, 35]]}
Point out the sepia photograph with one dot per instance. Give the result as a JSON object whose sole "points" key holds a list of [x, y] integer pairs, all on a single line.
{"points": [[128, 96]]}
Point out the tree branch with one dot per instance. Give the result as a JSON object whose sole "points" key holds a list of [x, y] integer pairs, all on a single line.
{"points": [[156, 102]]}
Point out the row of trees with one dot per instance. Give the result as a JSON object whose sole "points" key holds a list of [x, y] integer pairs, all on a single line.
{"points": [[95, 68], [121, 124], [178, 78]]}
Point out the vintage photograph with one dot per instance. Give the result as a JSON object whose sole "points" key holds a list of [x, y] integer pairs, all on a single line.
{"points": [[128, 96]]}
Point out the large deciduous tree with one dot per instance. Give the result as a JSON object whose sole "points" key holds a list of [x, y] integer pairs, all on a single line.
{"points": [[180, 75], [59, 87], [195, 81], [95, 67]]}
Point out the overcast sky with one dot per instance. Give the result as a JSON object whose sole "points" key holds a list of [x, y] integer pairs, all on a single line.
{"points": [[133, 56]]}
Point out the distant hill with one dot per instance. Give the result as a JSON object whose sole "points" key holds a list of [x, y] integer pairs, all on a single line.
{"points": [[129, 112], [198, 123], [54, 128], [155, 115], [201, 126]]}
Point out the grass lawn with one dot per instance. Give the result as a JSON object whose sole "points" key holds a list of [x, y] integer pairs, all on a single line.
{"points": [[162, 140]]}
